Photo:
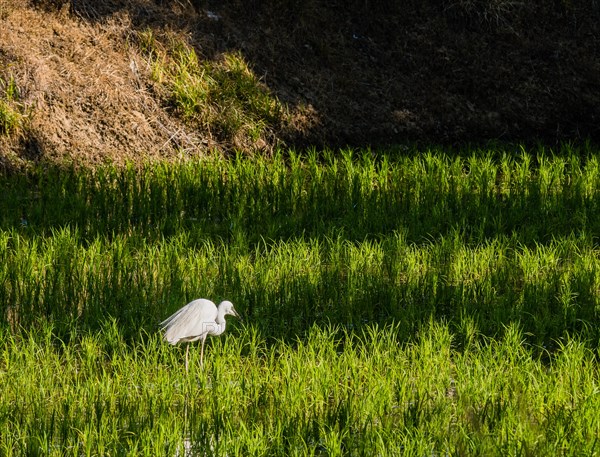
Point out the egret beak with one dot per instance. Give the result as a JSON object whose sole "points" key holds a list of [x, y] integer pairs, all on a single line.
{"points": [[235, 313]]}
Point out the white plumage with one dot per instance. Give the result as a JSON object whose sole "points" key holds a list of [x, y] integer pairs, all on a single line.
{"points": [[195, 321]]}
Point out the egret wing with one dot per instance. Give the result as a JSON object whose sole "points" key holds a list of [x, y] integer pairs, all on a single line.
{"points": [[190, 322]]}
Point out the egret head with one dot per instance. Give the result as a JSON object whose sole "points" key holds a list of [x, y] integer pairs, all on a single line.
{"points": [[229, 309]]}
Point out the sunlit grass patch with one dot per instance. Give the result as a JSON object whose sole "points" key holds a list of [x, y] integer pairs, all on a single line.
{"points": [[222, 97], [13, 113], [331, 393]]}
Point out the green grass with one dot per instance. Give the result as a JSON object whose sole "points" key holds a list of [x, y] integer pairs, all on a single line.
{"points": [[534, 198], [222, 97], [333, 392], [415, 304], [283, 287], [12, 112]]}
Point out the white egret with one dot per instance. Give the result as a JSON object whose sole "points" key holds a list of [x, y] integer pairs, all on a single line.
{"points": [[195, 321]]}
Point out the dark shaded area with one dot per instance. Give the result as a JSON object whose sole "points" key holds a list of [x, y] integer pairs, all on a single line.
{"points": [[445, 71]]}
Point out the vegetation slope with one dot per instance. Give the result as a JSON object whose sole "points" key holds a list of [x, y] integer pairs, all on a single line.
{"points": [[113, 80]]}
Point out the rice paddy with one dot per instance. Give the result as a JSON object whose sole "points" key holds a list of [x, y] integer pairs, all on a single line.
{"points": [[394, 303]]}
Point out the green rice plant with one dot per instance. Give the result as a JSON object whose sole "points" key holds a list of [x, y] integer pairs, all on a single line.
{"points": [[332, 392], [350, 239], [393, 305], [284, 287], [356, 195]]}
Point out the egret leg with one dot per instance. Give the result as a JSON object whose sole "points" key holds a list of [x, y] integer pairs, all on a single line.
{"points": [[202, 352], [187, 349]]}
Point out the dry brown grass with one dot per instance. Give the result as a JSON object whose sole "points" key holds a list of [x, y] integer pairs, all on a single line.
{"points": [[88, 90]]}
